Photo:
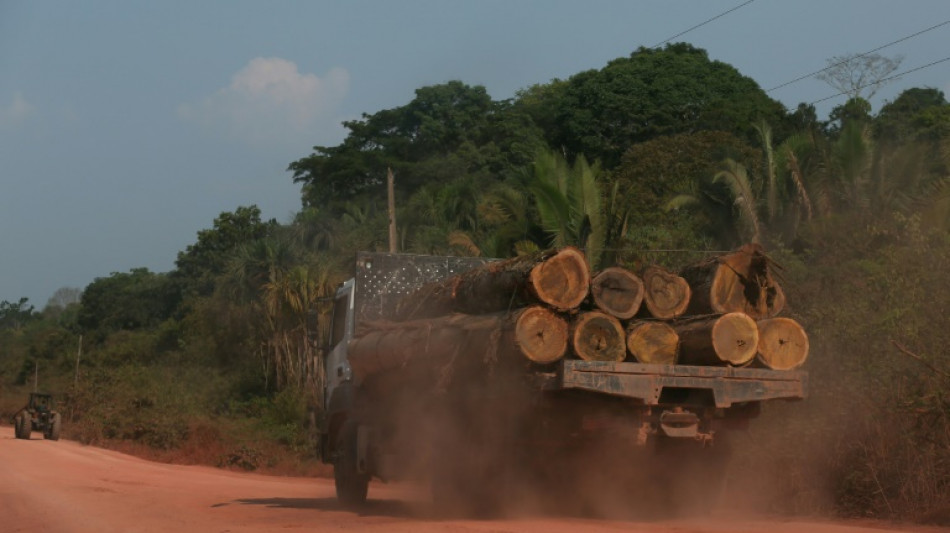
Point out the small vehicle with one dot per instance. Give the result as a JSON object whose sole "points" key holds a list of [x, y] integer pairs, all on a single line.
{"points": [[38, 415]]}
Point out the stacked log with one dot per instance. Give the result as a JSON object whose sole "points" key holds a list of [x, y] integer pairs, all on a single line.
{"points": [[559, 279], [617, 292], [535, 310], [741, 281], [666, 295], [653, 342]]}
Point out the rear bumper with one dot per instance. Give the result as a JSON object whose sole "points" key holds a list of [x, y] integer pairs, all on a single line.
{"points": [[646, 383]]}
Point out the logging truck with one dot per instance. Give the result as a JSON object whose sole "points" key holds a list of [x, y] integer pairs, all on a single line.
{"points": [[485, 377]]}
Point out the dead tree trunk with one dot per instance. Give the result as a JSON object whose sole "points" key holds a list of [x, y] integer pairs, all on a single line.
{"points": [[597, 336], [617, 292], [653, 342], [557, 278], [717, 340], [783, 344], [665, 295], [738, 281], [534, 334]]}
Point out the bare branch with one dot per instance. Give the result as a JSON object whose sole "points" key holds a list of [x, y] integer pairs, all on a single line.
{"points": [[852, 73]]}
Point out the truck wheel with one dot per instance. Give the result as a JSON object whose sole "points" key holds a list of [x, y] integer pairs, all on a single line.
{"points": [[351, 485], [54, 427]]}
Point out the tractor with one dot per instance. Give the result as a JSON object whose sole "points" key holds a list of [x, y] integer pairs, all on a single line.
{"points": [[38, 415]]}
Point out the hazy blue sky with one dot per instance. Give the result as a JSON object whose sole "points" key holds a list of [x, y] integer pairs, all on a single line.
{"points": [[128, 126]]}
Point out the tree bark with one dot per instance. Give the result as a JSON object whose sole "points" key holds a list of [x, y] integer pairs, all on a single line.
{"points": [[717, 340], [597, 336], [617, 292], [557, 278], [653, 342], [534, 334], [740, 281], [783, 344], [666, 295]]}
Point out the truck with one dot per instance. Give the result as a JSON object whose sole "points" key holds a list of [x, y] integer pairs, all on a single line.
{"points": [[554, 430]]}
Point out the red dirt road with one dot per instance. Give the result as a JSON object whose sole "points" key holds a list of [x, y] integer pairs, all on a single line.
{"points": [[66, 487]]}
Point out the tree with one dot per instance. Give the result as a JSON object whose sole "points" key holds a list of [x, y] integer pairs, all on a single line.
{"points": [[570, 202], [445, 132], [14, 315], [859, 75], [601, 113], [208, 257], [137, 299], [916, 114]]}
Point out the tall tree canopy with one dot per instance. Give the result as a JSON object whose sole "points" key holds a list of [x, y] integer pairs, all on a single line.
{"points": [[445, 132], [601, 113]]}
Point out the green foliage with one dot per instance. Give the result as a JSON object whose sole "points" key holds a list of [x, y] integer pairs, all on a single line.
{"points": [[651, 93], [127, 301], [202, 262], [446, 132], [15, 315]]}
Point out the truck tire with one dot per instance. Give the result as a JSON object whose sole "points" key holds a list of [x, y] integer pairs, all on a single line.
{"points": [[351, 485], [55, 424]]}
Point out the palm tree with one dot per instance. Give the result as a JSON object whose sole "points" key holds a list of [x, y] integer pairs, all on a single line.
{"points": [[570, 203], [735, 177]]}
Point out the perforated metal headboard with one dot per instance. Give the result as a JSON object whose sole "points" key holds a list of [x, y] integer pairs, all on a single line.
{"points": [[382, 279]]}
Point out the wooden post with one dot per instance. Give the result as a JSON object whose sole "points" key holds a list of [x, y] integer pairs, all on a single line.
{"points": [[78, 355], [391, 193], [36, 375]]}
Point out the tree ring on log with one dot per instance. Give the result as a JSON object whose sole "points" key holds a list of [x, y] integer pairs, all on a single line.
{"points": [[541, 335], [783, 343], [735, 337], [599, 337], [618, 292], [563, 280], [653, 343]]}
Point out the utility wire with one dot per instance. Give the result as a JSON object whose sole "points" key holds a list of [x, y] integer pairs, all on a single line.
{"points": [[680, 34], [898, 75], [869, 52]]}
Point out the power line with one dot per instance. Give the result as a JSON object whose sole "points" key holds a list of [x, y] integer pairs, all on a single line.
{"points": [[898, 75], [724, 13], [902, 39]]}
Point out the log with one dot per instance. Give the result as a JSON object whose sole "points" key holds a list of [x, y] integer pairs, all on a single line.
{"points": [[557, 278], [666, 295], [653, 342], [783, 343], [740, 281], [597, 336], [718, 339], [617, 292], [535, 334]]}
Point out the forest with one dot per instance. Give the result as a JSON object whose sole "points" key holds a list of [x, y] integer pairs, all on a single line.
{"points": [[664, 156]]}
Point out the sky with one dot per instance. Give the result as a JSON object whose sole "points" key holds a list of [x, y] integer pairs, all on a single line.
{"points": [[128, 126]]}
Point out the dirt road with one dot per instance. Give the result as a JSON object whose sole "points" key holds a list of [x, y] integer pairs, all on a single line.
{"points": [[65, 487]]}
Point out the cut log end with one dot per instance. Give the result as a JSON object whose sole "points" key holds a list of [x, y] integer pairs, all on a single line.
{"points": [[666, 295], [617, 292], [783, 343], [735, 337], [653, 343], [541, 335], [598, 336], [563, 280]]}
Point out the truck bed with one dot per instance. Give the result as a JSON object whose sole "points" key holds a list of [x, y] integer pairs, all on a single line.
{"points": [[647, 383]]}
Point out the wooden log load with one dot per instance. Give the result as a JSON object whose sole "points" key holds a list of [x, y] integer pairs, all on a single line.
{"points": [[740, 281], [533, 334], [783, 344], [617, 292], [597, 336], [558, 278], [653, 342], [665, 295], [717, 339]]}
